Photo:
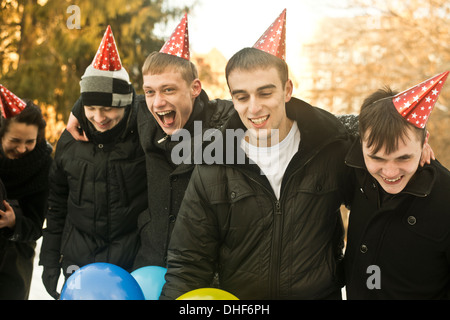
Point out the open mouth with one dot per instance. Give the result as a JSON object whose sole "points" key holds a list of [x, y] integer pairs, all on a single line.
{"points": [[167, 117], [392, 181], [259, 122]]}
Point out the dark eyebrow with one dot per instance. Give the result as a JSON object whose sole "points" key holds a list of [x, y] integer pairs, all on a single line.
{"points": [[237, 92], [372, 156], [404, 156], [269, 86]]}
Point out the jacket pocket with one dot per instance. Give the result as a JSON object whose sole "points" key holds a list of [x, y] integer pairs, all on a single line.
{"points": [[427, 223], [76, 178], [318, 184], [131, 179]]}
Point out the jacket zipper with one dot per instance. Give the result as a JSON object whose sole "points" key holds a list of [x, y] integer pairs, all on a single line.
{"points": [[276, 251], [278, 223], [274, 270]]}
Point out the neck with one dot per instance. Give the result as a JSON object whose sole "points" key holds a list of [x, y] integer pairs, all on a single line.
{"points": [[266, 138]]}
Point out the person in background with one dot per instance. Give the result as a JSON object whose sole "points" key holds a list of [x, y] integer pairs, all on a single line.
{"points": [[399, 225], [25, 159], [97, 188], [269, 222]]}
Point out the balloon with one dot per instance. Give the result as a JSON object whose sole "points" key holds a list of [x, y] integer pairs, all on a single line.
{"points": [[151, 280], [101, 281], [207, 294]]}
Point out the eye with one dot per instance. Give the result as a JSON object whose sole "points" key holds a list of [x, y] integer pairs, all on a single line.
{"points": [[376, 159], [266, 93], [241, 97], [169, 90]]}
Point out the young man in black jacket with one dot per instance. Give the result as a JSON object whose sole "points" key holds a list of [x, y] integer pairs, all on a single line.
{"points": [[399, 226], [97, 188], [266, 219], [174, 102]]}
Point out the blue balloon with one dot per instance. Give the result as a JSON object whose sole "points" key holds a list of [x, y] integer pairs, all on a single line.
{"points": [[101, 281], [151, 279]]}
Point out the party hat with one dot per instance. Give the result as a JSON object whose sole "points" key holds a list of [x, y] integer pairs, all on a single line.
{"points": [[416, 103], [273, 41], [105, 81], [178, 43], [107, 57], [10, 104]]}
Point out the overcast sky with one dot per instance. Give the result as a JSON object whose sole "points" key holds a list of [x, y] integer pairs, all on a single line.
{"points": [[230, 25]]}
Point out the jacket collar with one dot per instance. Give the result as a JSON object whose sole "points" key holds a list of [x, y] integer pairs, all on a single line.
{"points": [[420, 184], [317, 128]]}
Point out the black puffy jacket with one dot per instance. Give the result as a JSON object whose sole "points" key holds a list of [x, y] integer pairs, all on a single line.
{"points": [[167, 181], [230, 221], [97, 191]]}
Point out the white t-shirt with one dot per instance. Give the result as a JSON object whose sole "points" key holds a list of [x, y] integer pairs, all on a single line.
{"points": [[274, 160]]}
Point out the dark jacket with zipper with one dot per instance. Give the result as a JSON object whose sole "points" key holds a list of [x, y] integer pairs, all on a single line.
{"points": [[230, 221], [97, 190], [405, 236], [167, 181]]}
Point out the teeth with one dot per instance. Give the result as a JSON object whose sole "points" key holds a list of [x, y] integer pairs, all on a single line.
{"points": [[259, 120], [392, 180], [163, 113]]}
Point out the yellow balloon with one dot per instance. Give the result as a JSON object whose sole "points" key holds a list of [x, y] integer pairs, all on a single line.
{"points": [[207, 294]]}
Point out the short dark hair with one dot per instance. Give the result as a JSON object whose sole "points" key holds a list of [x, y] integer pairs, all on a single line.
{"points": [[158, 62], [252, 58], [379, 116], [30, 115]]}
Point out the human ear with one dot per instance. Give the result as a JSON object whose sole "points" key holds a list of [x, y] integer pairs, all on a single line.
{"points": [[289, 88], [196, 88]]}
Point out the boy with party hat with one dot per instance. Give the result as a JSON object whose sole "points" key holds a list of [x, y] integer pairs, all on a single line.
{"points": [[97, 188], [270, 234], [399, 225], [174, 101]]}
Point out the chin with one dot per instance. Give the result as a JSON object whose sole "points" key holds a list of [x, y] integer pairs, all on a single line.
{"points": [[393, 189]]}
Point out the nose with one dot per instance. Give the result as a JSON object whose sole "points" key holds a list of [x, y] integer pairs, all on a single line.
{"points": [[159, 101], [390, 170], [21, 148], [254, 107], [99, 117]]}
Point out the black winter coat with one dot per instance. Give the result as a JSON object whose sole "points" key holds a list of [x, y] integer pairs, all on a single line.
{"points": [[26, 185], [264, 248], [97, 190], [167, 181], [406, 236]]}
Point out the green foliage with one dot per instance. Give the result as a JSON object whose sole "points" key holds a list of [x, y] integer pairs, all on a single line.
{"points": [[42, 58]]}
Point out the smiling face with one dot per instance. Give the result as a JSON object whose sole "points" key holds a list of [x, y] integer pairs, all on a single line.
{"points": [[104, 118], [19, 140], [170, 99], [259, 97], [393, 171]]}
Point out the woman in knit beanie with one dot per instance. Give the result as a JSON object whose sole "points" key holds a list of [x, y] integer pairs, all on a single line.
{"points": [[25, 159], [97, 188]]}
